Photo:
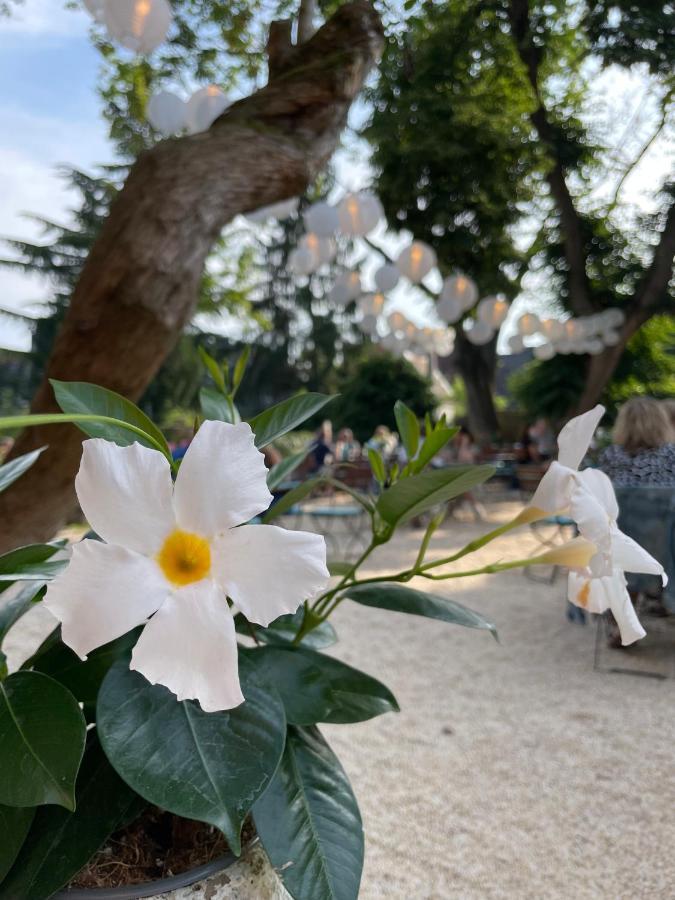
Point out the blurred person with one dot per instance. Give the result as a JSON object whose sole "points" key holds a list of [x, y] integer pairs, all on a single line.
{"points": [[464, 447], [347, 448], [384, 441], [322, 452], [643, 448]]}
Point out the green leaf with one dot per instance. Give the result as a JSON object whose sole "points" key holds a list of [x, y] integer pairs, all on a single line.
{"points": [[215, 406], [290, 498], [284, 629], [433, 443], [79, 397], [412, 496], [408, 427], [14, 825], [12, 610], [377, 465], [317, 688], [206, 766], [279, 473], [309, 817], [42, 734], [399, 598], [240, 368], [213, 368], [83, 678], [61, 842], [31, 563], [271, 424], [16, 467]]}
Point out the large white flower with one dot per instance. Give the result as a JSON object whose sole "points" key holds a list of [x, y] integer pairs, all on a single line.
{"points": [[174, 553], [589, 499]]}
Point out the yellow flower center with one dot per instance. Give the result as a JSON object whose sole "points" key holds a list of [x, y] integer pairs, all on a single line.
{"points": [[582, 596], [185, 557]]}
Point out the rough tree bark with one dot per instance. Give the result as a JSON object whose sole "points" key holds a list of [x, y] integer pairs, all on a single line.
{"points": [[477, 367], [140, 283]]}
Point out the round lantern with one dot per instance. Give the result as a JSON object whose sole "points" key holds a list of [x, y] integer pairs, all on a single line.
{"points": [[386, 277], [282, 210], [594, 346], [416, 261], [138, 25], [460, 289], [516, 343], [301, 261], [613, 318], [493, 311], [347, 287], [323, 249], [552, 329], [368, 325], [96, 9], [449, 310], [544, 351], [321, 219], [444, 341], [480, 333], [371, 304], [204, 107], [528, 324], [397, 322], [610, 338], [359, 214], [166, 113]]}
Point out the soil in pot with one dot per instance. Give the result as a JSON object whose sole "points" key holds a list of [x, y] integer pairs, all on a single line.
{"points": [[155, 845]]}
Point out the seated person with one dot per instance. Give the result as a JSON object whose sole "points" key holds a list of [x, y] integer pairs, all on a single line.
{"points": [[643, 448], [347, 448]]}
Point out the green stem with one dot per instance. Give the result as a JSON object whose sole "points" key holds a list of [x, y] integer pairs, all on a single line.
{"points": [[472, 546], [325, 599]]}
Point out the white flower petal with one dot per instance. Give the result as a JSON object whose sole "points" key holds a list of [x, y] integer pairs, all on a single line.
{"points": [[269, 571], [575, 438], [553, 491], [624, 611], [190, 647], [593, 523], [600, 486], [587, 592], [631, 557], [105, 592], [125, 494], [221, 481]]}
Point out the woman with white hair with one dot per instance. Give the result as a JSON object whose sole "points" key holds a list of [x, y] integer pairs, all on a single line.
{"points": [[643, 451]]}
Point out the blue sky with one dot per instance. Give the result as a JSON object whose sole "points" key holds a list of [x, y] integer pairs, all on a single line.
{"points": [[50, 116]]}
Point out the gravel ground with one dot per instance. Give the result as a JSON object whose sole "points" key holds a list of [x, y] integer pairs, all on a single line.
{"points": [[513, 770]]}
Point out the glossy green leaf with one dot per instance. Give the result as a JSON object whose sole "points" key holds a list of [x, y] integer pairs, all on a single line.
{"points": [[399, 598], [42, 734], [59, 842], [83, 678], [214, 369], [433, 443], [14, 825], [317, 688], [79, 397], [14, 469], [12, 610], [279, 473], [284, 629], [309, 822], [214, 406], [240, 368], [377, 465], [31, 563], [271, 424], [408, 427], [412, 496], [291, 498], [206, 766]]}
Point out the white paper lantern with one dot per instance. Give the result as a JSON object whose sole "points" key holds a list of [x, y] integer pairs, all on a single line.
{"points": [[368, 325], [323, 249], [564, 346], [516, 343], [528, 324], [594, 346], [443, 341], [544, 351], [610, 338], [167, 113], [96, 9], [416, 261], [397, 322], [613, 318], [552, 329], [493, 311], [139, 25], [282, 210], [359, 214], [321, 219], [459, 289], [347, 287], [371, 304], [479, 333], [301, 261], [449, 310], [386, 277], [204, 107]]}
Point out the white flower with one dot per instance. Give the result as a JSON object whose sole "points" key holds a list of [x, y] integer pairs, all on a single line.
{"points": [[173, 554], [589, 499]]}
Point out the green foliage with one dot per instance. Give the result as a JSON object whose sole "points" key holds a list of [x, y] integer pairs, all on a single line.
{"points": [[14, 825], [277, 421], [366, 397], [10, 471]]}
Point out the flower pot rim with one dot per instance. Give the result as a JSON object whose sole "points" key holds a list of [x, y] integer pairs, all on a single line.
{"points": [[152, 888]]}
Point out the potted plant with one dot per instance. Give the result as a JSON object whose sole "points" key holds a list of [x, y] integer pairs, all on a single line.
{"points": [[178, 701]]}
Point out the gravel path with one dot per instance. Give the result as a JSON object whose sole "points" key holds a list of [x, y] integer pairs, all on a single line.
{"points": [[514, 770]]}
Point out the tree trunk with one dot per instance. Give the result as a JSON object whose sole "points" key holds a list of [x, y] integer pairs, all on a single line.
{"points": [[476, 367], [140, 283]]}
